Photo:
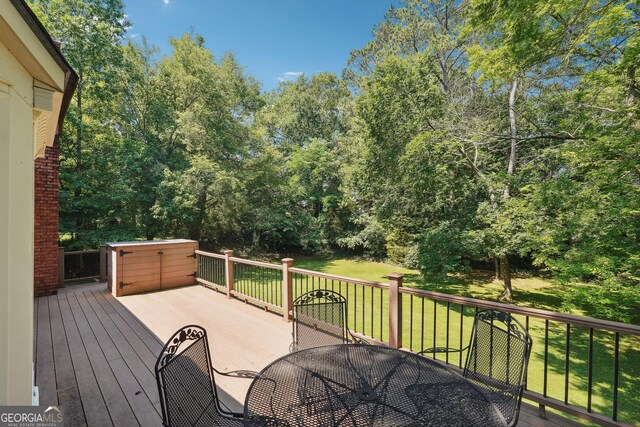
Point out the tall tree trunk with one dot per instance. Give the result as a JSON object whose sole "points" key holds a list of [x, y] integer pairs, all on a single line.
{"points": [[496, 265], [506, 276], [201, 208], [504, 264], [79, 129], [80, 218], [512, 127]]}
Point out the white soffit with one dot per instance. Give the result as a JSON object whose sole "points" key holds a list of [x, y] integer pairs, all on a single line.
{"points": [[42, 99], [46, 108]]}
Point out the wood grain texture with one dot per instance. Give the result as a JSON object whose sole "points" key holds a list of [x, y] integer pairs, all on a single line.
{"points": [[151, 266], [112, 344]]}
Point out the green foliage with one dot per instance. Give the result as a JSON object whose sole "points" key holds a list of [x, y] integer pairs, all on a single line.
{"points": [[462, 132], [90, 183], [370, 238], [442, 251], [302, 120]]}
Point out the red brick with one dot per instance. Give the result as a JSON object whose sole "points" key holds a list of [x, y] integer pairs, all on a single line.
{"points": [[47, 170]]}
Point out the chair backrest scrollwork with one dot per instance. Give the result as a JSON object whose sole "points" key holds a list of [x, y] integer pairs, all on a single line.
{"points": [[497, 360], [319, 318], [185, 379]]}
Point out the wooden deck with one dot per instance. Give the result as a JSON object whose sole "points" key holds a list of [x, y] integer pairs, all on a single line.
{"points": [[95, 354]]}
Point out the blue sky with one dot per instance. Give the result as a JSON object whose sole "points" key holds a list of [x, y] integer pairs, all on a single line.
{"points": [[272, 39]]}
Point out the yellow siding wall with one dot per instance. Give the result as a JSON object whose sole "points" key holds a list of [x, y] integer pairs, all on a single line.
{"points": [[16, 230]]}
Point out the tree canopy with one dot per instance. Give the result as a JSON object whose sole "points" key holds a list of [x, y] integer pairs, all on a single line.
{"points": [[468, 132]]}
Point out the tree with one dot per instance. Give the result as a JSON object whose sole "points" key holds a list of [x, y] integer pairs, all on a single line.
{"points": [[304, 120], [187, 114], [90, 32], [581, 192]]}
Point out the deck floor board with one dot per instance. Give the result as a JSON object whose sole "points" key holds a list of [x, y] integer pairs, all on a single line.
{"points": [[95, 354], [66, 384], [94, 406], [119, 410]]}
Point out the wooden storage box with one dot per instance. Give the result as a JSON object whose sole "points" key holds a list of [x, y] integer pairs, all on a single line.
{"points": [[136, 267]]}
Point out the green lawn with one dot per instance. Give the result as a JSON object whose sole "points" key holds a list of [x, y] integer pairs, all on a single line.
{"points": [[368, 313], [529, 291]]}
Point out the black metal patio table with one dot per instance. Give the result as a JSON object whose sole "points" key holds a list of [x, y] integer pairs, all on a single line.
{"points": [[364, 385]]}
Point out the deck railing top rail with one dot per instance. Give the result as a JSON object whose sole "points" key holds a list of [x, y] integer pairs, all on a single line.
{"points": [[572, 319], [338, 278], [256, 263], [210, 254]]}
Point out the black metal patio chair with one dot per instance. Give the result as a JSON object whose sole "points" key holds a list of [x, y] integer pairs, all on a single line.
{"points": [[186, 384], [320, 318], [497, 360]]}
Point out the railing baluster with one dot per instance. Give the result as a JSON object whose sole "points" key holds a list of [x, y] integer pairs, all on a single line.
{"points": [[435, 315], [546, 357], [381, 304], [567, 351], [237, 274], [410, 321], [363, 312], [246, 287], [422, 329], [371, 321], [590, 368], [616, 370], [526, 320], [354, 305], [461, 330], [447, 337]]}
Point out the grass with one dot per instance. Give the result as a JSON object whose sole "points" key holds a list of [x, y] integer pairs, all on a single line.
{"points": [[427, 323], [533, 292]]}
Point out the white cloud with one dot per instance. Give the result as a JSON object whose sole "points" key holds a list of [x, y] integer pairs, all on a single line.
{"points": [[166, 2], [289, 75]]}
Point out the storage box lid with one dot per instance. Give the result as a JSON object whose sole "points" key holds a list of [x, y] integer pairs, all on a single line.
{"points": [[150, 242]]}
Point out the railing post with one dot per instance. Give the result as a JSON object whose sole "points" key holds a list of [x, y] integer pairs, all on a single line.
{"points": [[395, 310], [287, 288], [103, 263], [228, 271], [60, 267]]}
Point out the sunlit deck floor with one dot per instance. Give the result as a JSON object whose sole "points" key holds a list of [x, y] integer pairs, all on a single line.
{"points": [[95, 354]]}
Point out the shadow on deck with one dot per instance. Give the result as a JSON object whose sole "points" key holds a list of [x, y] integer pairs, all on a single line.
{"points": [[95, 354]]}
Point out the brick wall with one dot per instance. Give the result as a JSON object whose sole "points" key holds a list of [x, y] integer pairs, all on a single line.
{"points": [[47, 170]]}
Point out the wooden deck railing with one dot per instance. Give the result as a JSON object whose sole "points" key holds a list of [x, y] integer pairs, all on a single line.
{"points": [[585, 367], [81, 265]]}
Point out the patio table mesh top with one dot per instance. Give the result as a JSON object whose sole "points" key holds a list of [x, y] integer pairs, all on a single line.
{"points": [[359, 385]]}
